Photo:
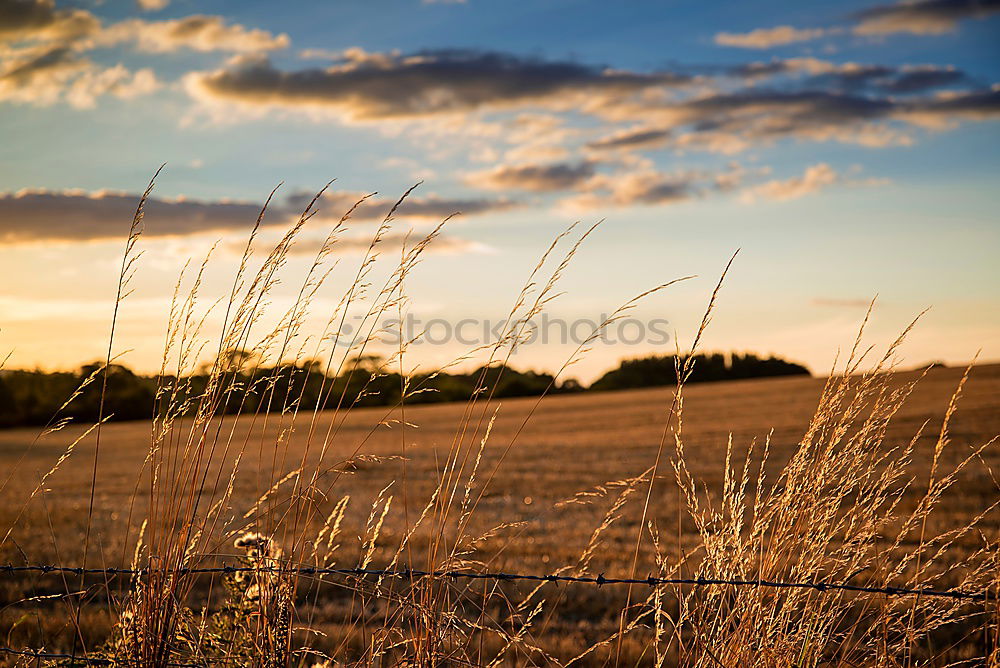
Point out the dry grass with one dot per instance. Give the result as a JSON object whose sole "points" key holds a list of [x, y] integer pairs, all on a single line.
{"points": [[868, 478]]}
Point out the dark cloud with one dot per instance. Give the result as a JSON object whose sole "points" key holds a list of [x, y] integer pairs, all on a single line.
{"points": [[876, 106], [39, 19], [632, 139], [41, 65], [971, 104], [923, 17], [924, 78], [379, 86], [763, 70], [32, 215], [536, 177], [804, 98], [888, 79], [795, 108], [850, 77], [762, 115]]}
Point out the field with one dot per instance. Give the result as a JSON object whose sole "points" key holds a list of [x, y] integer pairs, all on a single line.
{"points": [[523, 523]]}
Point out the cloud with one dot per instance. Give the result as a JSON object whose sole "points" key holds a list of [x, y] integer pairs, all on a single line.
{"points": [[536, 177], [152, 5], [870, 105], [807, 99], [733, 121], [34, 215], [22, 20], [763, 115], [917, 17], [814, 179], [31, 215], [901, 80], [367, 86], [848, 77], [43, 50], [117, 81], [38, 76], [43, 76], [320, 54], [765, 38], [646, 187], [632, 138], [922, 17], [924, 77], [197, 33], [40, 21], [945, 110]]}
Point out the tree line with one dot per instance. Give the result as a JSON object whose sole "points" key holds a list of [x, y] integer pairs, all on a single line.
{"points": [[34, 397]]}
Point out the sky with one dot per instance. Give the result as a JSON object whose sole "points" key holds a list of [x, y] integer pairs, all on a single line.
{"points": [[846, 149]]}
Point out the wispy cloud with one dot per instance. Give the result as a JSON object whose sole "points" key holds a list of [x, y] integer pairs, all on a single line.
{"points": [[152, 5], [922, 17], [766, 38], [917, 17], [642, 187], [536, 177], [196, 33], [632, 138], [814, 179]]}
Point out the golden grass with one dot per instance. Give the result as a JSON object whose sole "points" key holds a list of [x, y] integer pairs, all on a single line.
{"points": [[870, 478]]}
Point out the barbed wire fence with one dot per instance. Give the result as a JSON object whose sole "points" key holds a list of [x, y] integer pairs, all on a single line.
{"points": [[454, 575], [599, 580]]}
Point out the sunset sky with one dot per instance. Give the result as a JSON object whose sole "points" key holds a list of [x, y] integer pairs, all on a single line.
{"points": [[848, 149]]}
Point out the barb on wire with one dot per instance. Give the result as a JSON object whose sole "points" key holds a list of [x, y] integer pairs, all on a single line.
{"points": [[599, 580]]}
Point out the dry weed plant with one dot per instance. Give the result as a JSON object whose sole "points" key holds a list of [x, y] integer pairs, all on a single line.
{"points": [[833, 514]]}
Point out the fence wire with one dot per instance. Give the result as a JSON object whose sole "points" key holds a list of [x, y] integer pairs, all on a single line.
{"points": [[599, 580], [78, 659]]}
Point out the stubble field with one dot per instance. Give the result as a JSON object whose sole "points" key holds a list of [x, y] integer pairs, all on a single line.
{"points": [[522, 524]]}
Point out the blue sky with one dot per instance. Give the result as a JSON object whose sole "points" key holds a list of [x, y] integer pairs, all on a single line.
{"points": [[848, 149]]}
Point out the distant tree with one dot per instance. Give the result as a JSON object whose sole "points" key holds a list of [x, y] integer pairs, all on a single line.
{"points": [[662, 370], [34, 397], [126, 397]]}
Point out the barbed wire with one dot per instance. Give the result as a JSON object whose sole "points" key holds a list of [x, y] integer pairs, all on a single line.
{"points": [[89, 660], [599, 580]]}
